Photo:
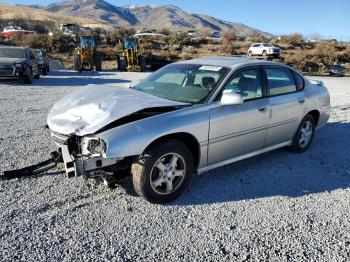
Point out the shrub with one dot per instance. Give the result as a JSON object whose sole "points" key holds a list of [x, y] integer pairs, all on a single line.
{"points": [[295, 39], [109, 53], [180, 38], [190, 50], [35, 41], [229, 48], [63, 43]]}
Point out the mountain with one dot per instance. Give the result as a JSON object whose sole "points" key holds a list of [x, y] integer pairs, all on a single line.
{"points": [[95, 9], [8, 12], [147, 16]]}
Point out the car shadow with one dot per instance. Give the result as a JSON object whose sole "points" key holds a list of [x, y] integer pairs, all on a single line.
{"points": [[71, 79], [324, 167]]}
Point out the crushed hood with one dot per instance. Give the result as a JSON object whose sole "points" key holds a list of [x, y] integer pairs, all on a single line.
{"points": [[91, 108]]}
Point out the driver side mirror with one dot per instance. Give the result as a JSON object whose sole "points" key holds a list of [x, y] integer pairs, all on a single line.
{"points": [[231, 98]]}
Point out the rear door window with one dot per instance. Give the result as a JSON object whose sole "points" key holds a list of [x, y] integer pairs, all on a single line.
{"points": [[280, 81]]}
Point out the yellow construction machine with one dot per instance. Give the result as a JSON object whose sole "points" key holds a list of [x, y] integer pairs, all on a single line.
{"points": [[86, 57], [131, 59]]}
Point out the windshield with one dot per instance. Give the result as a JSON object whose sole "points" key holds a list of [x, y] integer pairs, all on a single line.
{"points": [[268, 45], [87, 41], [187, 83], [12, 53]]}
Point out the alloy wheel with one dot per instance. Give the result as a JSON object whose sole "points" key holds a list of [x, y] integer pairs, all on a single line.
{"points": [[305, 134], [168, 173]]}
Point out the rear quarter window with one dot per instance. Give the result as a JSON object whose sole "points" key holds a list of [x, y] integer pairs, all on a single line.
{"points": [[299, 81]]}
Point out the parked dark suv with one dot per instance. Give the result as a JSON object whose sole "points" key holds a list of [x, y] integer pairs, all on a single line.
{"points": [[18, 62], [42, 61]]}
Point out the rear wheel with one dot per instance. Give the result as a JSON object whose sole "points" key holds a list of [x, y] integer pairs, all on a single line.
{"points": [[76, 63], [98, 63], [122, 63], [163, 171], [45, 71], [250, 53], [37, 75], [304, 135]]}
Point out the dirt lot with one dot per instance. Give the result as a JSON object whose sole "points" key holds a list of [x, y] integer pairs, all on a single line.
{"points": [[277, 207]]}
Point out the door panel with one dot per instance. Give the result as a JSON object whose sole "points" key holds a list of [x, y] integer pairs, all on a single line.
{"points": [[237, 130], [286, 113], [287, 106]]}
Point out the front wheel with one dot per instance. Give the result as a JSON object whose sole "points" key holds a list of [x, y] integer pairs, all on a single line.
{"points": [[304, 135], [264, 53], [28, 76], [163, 171], [76, 63]]}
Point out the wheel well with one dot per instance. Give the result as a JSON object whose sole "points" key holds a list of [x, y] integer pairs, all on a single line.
{"points": [[316, 116], [187, 139]]}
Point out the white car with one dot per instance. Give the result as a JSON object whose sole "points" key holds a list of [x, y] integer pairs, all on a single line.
{"points": [[264, 49]]}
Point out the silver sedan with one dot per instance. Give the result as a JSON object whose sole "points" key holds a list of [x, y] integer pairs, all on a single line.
{"points": [[186, 118]]}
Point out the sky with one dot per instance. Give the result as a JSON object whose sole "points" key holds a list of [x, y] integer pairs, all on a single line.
{"points": [[328, 18]]}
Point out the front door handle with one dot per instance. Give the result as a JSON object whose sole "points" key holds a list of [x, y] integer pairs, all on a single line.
{"points": [[263, 109], [301, 101]]}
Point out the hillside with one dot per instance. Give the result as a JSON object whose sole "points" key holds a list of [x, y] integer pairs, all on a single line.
{"points": [[147, 16], [11, 12]]}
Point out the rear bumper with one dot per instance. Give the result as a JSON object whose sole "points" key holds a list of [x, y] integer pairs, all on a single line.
{"points": [[324, 117]]}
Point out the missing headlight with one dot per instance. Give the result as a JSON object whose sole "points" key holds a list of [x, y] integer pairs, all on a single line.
{"points": [[96, 146]]}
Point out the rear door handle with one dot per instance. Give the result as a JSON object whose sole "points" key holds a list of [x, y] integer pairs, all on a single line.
{"points": [[301, 101], [263, 109]]}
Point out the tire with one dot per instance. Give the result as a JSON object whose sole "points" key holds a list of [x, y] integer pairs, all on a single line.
{"points": [[45, 71], [250, 53], [122, 63], [37, 76], [147, 171], [98, 63], [76, 63], [264, 53], [48, 68], [142, 63], [297, 146], [28, 77]]}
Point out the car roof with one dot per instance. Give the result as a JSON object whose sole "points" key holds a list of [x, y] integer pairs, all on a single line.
{"points": [[229, 61], [12, 47]]}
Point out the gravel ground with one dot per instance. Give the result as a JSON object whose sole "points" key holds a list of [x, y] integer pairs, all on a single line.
{"points": [[278, 206]]}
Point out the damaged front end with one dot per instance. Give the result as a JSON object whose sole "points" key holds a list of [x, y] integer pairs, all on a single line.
{"points": [[83, 123], [85, 156]]}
